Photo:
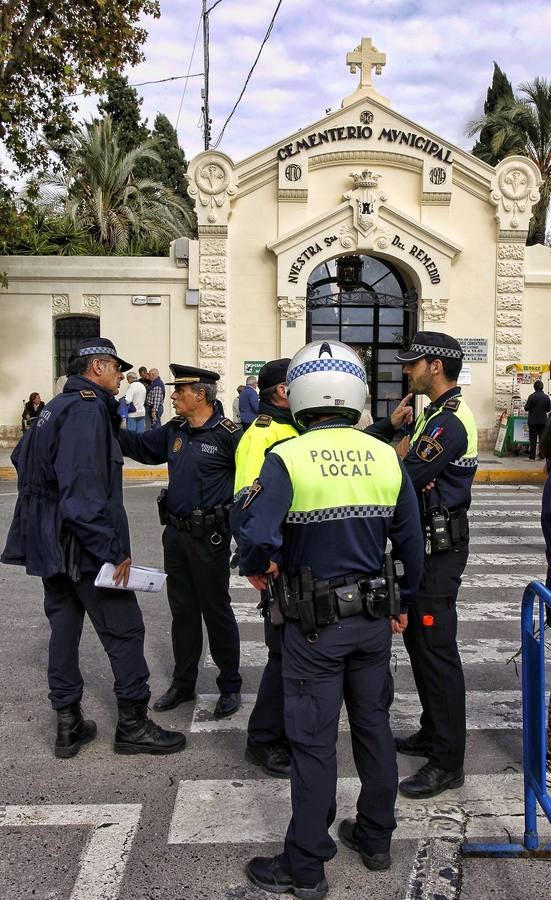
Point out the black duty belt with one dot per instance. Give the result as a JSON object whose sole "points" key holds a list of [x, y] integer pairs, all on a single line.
{"points": [[201, 523]]}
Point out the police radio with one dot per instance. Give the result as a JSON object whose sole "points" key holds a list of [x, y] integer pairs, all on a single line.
{"points": [[439, 529]]}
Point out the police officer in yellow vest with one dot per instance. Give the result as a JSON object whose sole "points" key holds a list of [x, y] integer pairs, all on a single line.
{"points": [[442, 453], [266, 743], [314, 532]]}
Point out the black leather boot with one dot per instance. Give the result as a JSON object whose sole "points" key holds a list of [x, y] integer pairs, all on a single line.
{"points": [[72, 730], [136, 733]]}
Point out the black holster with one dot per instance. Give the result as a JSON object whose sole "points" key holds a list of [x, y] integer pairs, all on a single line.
{"points": [[161, 507]]}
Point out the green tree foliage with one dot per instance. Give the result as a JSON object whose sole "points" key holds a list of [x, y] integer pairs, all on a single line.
{"points": [[52, 48], [523, 126], [499, 92], [122, 104], [98, 192], [172, 168]]}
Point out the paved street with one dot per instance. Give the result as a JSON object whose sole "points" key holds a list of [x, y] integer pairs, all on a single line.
{"points": [[101, 827]]}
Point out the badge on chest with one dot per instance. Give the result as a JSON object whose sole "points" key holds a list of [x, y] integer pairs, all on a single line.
{"points": [[177, 445]]}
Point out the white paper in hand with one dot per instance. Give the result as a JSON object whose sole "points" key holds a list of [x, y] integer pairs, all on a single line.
{"points": [[142, 578]]}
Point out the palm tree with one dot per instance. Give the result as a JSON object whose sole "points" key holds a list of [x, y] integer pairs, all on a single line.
{"points": [[95, 188], [523, 125]]}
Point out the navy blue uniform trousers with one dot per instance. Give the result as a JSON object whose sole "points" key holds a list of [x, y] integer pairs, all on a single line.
{"points": [[266, 725], [198, 581], [118, 622], [431, 641], [350, 661]]}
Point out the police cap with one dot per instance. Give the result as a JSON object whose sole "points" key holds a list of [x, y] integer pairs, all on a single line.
{"points": [[272, 373], [98, 346], [191, 375], [431, 343]]}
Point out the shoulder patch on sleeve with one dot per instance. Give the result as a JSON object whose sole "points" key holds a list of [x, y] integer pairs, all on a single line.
{"points": [[253, 492], [452, 403], [228, 425], [428, 448], [88, 395], [263, 421]]}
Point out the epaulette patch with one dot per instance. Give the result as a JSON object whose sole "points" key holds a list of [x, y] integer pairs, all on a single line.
{"points": [[228, 425], [254, 490], [88, 395], [452, 403], [263, 421]]}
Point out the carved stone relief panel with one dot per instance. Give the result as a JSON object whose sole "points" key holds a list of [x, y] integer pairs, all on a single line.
{"points": [[434, 310], [60, 305], [91, 304], [515, 190], [212, 182]]}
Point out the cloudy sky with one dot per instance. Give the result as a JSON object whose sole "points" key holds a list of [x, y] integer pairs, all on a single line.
{"points": [[439, 62]]}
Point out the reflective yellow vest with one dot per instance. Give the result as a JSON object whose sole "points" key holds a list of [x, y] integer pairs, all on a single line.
{"points": [[252, 448], [340, 473], [466, 418]]}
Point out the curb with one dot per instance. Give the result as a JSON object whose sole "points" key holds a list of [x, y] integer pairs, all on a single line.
{"points": [[509, 476], [483, 476]]}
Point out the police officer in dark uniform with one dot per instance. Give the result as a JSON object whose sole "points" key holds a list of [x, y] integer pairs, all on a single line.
{"points": [[69, 519], [267, 745], [316, 522], [199, 446], [442, 456]]}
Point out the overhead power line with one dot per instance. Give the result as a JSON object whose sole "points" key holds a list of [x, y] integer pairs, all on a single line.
{"points": [[155, 81], [266, 36], [188, 75]]}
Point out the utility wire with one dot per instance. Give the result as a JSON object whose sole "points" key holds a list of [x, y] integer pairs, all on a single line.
{"points": [[266, 36], [188, 75], [156, 81]]}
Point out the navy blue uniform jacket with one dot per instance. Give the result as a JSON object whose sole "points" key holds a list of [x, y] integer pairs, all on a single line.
{"points": [[201, 461], [69, 516]]}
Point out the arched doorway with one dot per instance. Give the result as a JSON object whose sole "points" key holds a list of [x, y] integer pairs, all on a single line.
{"points": [[373, 311], [69, 330]]}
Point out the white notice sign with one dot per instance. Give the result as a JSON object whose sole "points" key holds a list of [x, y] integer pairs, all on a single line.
{"points": [[465, 375], [474, 349]]}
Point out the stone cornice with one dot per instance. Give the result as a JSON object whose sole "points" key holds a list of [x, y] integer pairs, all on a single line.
{"points": [[435, 199], [387, 157]]}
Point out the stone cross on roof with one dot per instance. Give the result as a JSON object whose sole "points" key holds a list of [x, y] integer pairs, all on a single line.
{"points": [[367, 57]]}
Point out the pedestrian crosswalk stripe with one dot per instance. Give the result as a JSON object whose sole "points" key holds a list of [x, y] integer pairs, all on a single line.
{"points": [[494, 580], [498, 524], [481, 650], [506, 559], [104, 858], [492, 711], [256, 811], [510, 514], [524, 501], [508, 540]]}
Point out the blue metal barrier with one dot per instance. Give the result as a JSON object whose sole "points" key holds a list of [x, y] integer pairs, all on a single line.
{"points": [[533, 733]]}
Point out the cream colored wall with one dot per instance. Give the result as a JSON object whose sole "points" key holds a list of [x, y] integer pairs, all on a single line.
{"points": [[253, 315], [327, 185], [145, 335], [536, 340]]}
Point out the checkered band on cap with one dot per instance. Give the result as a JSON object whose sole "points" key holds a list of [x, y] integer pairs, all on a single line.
{"points": [[93, 351], [427, 350], [326, 365]]}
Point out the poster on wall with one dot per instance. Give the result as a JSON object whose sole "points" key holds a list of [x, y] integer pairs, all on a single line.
{"points": [[465, 375], [520, 430]]}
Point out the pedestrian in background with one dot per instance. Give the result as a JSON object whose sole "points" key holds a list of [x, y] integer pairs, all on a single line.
{"points": [[135, 399], [154, 401], [69, 519], [248, 402], [235, 406], [31, 410], [143, 373], [199, 447], [537, 406]]}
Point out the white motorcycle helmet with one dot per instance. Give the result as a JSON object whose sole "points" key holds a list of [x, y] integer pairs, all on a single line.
{"points": [[326, 377]]}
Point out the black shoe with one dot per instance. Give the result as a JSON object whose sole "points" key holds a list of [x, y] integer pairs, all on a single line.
{"points": [[136, 733], [72, 731], [268, 873], [274, 759], [430, 781], [375, 862], [414, 745], [173, 697], [227, 705]]}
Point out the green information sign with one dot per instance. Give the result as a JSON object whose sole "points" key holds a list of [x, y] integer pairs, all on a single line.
{"points": [[253, 366]]}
